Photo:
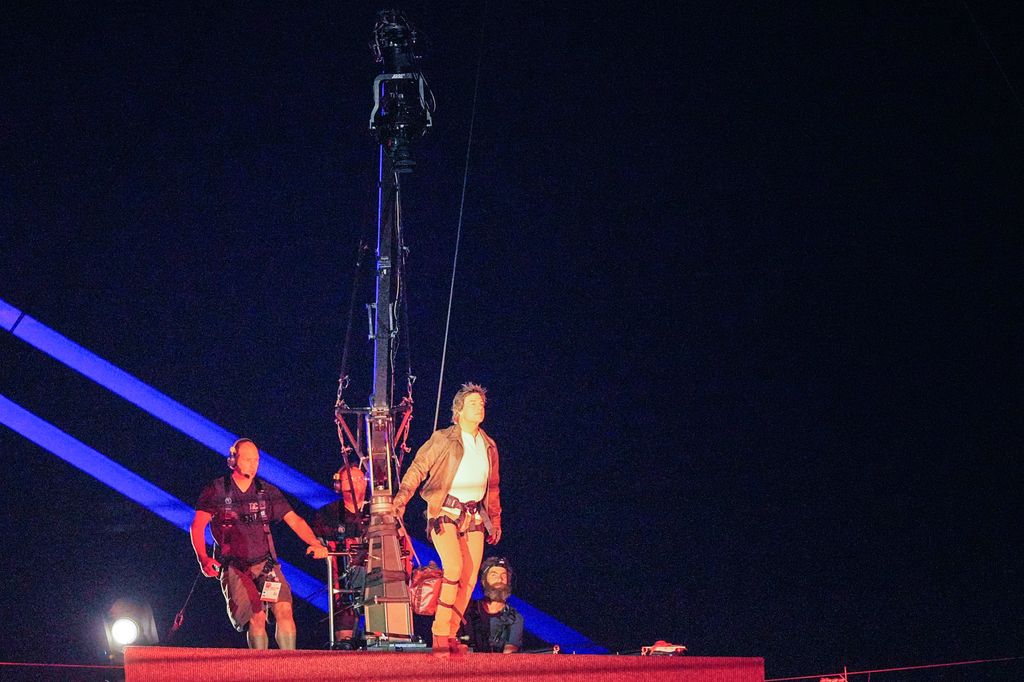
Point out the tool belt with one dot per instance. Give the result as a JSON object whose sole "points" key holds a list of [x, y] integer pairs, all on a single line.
{"points": [[244, 565], [467, 516]]}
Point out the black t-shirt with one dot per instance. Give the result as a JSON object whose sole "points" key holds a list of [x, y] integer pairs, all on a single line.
{"points": [[245, 538], [329, 526], [490, 632]]}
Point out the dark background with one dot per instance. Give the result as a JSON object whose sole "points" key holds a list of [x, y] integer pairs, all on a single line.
{"points": [[743, 282]]}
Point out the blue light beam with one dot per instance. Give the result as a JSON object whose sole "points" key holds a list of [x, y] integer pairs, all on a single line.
{"points": [[218, 439], [131, 485], [162, 407]]}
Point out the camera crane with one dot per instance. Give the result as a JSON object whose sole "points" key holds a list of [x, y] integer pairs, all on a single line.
{"points": [[402, 107]]}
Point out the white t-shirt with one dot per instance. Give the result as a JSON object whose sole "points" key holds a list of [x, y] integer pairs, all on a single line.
{"points": [[470, 482]]}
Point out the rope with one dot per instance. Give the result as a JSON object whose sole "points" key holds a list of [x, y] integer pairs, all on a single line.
{"points": [[462, 205], [901, 669], [402, 299], [363, 250], [16, 664], [999, 64], [343, 379], [180, 617]]}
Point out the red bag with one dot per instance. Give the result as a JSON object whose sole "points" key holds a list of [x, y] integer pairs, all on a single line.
{"points": [[424, 589]]}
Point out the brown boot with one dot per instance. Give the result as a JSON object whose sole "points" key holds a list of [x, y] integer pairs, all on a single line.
{"points": [[440, 646], [456, 645]]}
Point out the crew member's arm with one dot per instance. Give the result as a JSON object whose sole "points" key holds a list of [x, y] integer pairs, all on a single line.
{"points": [[208, 564], [305, 533]]}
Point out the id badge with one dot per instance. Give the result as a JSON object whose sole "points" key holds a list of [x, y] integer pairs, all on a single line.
{"points": [[271, 590]]}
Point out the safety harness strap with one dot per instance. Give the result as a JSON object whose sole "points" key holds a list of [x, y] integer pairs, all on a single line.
{"points": [[261, 515], [468, 510]]}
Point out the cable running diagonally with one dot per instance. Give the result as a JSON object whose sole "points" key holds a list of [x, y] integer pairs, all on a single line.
{"points": [[999, 64]]}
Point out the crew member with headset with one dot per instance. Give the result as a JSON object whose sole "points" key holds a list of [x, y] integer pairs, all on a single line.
{"points": [[342, 525], [492, 624], [241, 508]]}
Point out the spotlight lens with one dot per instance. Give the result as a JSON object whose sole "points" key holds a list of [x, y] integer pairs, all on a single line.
{"points": [[124, 631]]}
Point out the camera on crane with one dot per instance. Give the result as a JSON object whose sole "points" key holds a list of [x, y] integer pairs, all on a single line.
{"points": [[402, 101]]}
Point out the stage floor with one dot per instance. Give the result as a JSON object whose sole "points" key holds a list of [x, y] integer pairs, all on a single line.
{"points": [[173, 664]]}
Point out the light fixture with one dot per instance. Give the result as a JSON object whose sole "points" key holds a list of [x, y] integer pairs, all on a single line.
{"points": [[124, 631], [128, 623]]}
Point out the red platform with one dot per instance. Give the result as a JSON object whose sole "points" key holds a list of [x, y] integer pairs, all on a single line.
{"points": [[155, 664]]}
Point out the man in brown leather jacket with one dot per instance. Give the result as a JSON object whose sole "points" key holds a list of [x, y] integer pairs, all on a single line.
{"points": [[460, 465]]}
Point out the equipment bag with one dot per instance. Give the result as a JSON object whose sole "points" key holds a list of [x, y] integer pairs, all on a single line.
{"points": [[425, 588]]}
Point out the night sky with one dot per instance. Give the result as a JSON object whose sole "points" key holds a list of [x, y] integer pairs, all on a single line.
{"points": [[744, 284]]}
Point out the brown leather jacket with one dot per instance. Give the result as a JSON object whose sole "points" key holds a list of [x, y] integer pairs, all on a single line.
{"points": [[437, 460]]}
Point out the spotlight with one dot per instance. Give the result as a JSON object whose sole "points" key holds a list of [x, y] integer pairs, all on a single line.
{"points": [[128, 622], [124, 631]]}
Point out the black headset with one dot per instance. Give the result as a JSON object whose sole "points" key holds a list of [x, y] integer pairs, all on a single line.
{"points": [[499, 562], [233, 452]]}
